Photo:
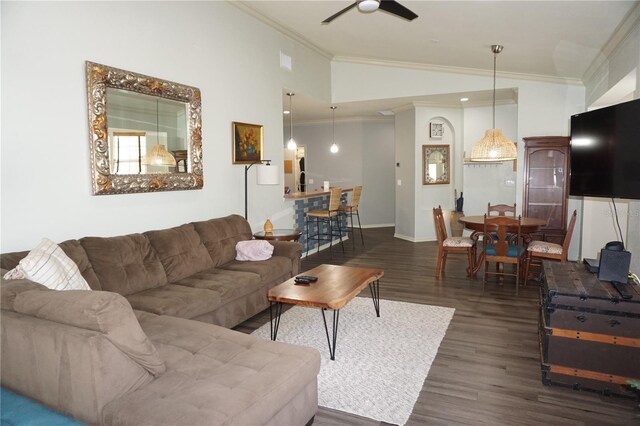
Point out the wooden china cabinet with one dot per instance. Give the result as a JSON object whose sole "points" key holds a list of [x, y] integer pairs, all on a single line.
{"points": [[546, 173]]}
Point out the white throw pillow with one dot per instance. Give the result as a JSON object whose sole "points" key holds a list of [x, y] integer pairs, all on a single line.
{"points": [[253, 250], [48, 265]]}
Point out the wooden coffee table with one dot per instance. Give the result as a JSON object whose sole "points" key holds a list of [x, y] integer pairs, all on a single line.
{"points": [[336, 286]]}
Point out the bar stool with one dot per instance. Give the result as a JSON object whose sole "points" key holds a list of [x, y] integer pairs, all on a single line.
{"points": [[326, 216], [351, 209]]}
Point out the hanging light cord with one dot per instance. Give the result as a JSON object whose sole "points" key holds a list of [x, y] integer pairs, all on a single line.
{"points": [[290, 116], [495, 57], [333, 110]]}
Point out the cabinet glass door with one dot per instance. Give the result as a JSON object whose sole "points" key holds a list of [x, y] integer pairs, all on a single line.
{"points": [[547, 176]]}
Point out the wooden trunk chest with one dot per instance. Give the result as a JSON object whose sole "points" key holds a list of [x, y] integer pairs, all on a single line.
{"points": [[589, 334]]}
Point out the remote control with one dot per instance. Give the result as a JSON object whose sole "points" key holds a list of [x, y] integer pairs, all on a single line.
{"points": [[308, 278], [301, 280], [623, 289]]}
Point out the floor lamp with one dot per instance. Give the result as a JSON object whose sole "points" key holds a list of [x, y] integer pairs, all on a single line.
{"points": [[265, 175]]}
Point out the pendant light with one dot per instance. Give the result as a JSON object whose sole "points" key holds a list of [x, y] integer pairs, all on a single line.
{"points": [[334, 146], [291, 145], [158, 154], [494, 146]]}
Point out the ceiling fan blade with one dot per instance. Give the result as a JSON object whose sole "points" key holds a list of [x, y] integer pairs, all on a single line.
{"points": [[397, 9], [332, 17]]}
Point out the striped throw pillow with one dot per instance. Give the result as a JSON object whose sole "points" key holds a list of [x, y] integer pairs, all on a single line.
{"points": [[48, 265]]}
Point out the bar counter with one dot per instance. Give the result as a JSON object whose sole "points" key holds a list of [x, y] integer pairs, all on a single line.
{"points": [[298, 195], [316, 200]]}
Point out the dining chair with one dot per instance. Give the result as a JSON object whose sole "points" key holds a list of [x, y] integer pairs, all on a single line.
{"points": [[448, 245], [351, 209], [327, 216], [501, 209], [538, 250], [503, 244]]}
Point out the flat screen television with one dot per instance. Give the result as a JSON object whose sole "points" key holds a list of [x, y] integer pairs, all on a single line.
{"points": [[605, 152]]}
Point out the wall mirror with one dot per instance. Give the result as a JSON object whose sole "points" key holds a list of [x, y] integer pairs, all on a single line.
{"points": [[144, 133], [435, 164]]}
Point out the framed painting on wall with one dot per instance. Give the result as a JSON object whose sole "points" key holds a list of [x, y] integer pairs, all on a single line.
{"points": [[247, 143], [436, 130]]}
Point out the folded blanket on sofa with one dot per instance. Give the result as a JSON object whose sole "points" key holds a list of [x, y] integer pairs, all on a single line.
{"points": [[253, 250]]}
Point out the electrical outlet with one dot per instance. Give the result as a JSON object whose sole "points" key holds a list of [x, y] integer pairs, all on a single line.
{"points": [[310, 181], [399, 182]]}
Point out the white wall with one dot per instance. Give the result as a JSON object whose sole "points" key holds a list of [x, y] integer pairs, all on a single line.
{"points": [[623, 58], [543, 108], [230, 56], [366, 157], [484, 183], [406, 173], [430, 196]]}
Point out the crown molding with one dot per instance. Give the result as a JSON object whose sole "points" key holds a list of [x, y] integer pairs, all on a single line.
{"points": [[619, 36], [359, 119], [278, 27], [457, 70]]}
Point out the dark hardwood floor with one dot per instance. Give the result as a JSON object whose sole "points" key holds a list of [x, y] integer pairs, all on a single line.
{"points": [[487, 371]]}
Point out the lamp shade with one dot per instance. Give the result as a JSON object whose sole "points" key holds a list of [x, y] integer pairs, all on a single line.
{"points": [[268, 175], [494, 146], [159, 156]]}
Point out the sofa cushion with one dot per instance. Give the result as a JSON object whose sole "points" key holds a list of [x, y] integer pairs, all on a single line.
{"points": [[227, 284], [176, 300], [181, 251], [48, 264], [106, 312], [215, 376], [269, 270], [9, 289], [72, 248], [221, 235], [126, 264]]}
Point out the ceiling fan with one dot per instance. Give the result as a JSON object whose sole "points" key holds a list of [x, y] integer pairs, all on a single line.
{"points": [[368, 6]]}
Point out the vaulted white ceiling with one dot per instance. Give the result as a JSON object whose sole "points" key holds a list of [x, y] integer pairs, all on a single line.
{"points": [[554, 39]]}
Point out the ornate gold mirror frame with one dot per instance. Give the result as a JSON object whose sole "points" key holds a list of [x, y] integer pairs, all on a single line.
{"points": [[435, 164], [99, 78]]}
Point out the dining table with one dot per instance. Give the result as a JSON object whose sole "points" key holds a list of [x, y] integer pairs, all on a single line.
{"points": [[528, 225]]}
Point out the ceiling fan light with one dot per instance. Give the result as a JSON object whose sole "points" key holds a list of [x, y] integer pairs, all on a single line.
{"points": [[368, 5]]}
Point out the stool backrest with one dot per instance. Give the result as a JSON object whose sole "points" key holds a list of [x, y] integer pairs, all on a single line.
{"points": [[334, 199], [355, 199]]}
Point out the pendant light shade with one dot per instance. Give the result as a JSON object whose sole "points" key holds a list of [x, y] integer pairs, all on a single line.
{"points": [[158, 154], [291, 145], [494, 146], [334, 146]]}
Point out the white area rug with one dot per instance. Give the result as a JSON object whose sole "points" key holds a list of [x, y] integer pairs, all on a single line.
{"points": [[381, 363]]}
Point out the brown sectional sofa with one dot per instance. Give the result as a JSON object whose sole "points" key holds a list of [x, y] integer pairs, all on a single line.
{"points": [[129, 352]]}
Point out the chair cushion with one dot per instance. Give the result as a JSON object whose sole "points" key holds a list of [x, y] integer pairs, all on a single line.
{"points": [[322, 213], [513, 249], [545, 247], [458, 242]]}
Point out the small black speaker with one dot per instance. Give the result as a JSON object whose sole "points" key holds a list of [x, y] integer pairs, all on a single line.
{"points": [[614, 265]]}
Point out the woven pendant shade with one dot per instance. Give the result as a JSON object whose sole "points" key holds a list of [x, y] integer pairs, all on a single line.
{"points": [[159, 156], [494, 146]]}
